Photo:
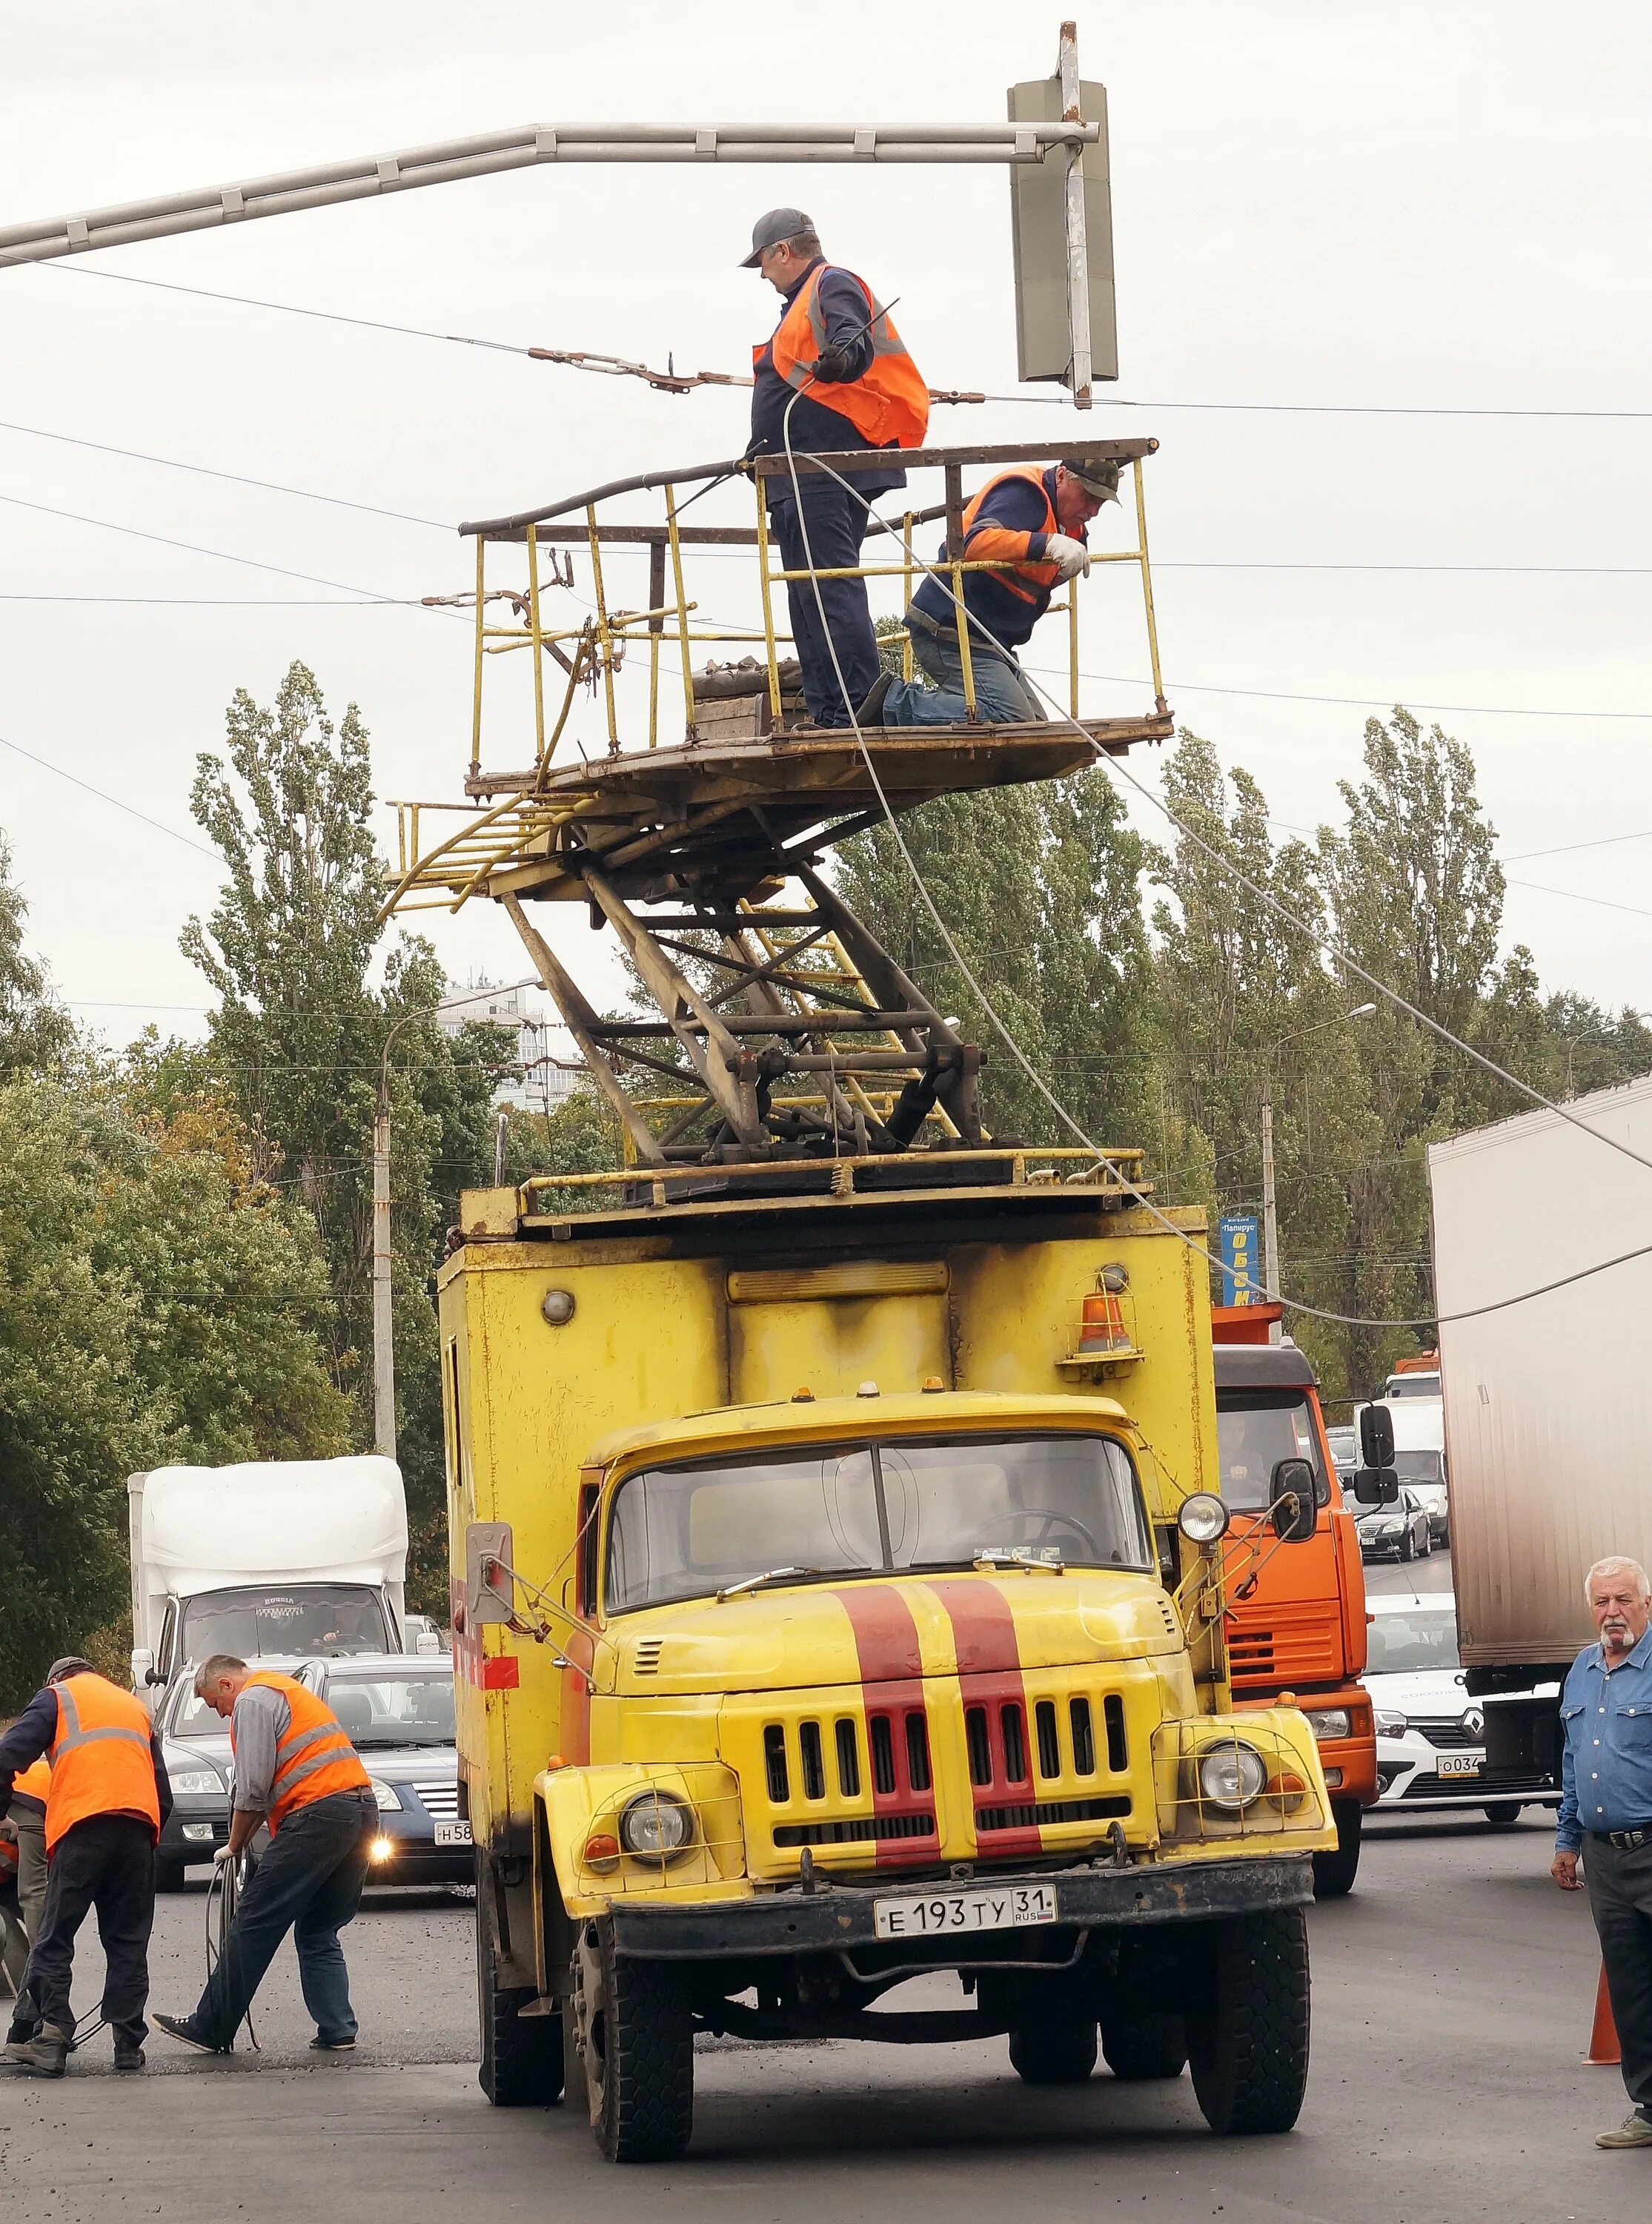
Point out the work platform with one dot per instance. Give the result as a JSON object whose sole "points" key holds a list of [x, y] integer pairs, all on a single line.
{"points": [[786, 1031]]}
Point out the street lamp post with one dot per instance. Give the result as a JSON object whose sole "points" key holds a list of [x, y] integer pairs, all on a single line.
{"points": [[1270, 1207]]}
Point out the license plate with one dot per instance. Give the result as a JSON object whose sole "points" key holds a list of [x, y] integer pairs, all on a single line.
{"points": [[1461, 1764], [453, 1834], [987, 1910]]}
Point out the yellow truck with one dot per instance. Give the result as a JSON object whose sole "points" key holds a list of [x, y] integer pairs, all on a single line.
{"points": [[837, 1601]]}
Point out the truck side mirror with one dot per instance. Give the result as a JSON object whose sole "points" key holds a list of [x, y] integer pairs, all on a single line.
{"points": [[489, 1585], [1294, 1512], [1376, 1486], [1376, 1436]]}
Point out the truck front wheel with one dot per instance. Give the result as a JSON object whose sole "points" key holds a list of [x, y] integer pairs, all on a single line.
{"points": [[1247, 2041], [1334, 1874], [1054, 2050], [521, 2061], [631, 2033]]}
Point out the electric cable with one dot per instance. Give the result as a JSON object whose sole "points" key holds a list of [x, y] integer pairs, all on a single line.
{"points": [[45, 765], [1321, 942], [224, 1889]]}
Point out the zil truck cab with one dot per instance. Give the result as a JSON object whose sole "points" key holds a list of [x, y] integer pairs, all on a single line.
{"points": [[838, 1601]]}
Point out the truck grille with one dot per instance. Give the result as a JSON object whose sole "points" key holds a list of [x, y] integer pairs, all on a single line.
{"points": [[1049, 1811], [441, 1800], [1291, 1645]]}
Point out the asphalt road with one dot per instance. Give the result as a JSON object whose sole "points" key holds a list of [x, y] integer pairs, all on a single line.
{"points": [[1384, 1577], [1452, 1993]]}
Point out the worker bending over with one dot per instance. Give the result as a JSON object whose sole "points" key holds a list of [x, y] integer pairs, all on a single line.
{"points": [[22, 1852], [294, 1766], [105, 1801], [1031, 525], [855, 386]]}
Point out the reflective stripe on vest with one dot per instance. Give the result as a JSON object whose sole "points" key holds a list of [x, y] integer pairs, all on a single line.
{"points": [[100, 1757], [889, 402], [314, 1757], [1038, 579]]}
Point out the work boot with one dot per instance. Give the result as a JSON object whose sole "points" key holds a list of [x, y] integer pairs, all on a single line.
{"points": [[1637, 2131], [128, 2058], [48, 2055]]}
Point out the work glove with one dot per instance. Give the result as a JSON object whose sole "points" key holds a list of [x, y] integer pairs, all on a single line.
{"points": [[833, 365], [1068, 557], [222, 1854]]}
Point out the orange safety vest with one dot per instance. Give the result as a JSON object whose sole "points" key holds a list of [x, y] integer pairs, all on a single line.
{"points": [[1040, 579], [891, 403], [34, 1781], [100, 1758], [314, 1758]]}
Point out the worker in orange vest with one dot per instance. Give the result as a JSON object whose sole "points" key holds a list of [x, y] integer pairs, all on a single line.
{"points": [[106, 1800], [295, 1767], [22, 1872], [1031, 526], [833, 375]]}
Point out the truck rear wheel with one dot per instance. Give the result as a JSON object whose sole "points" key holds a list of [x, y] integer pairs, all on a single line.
{"points": [[1248, 2042], [1334, 1874], [1055, 2051], [1139, 2047], [521, 2061], [637, 2032]]}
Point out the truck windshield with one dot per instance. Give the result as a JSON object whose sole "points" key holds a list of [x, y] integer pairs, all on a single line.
{"points": [[1255, 1430], [319, 1618], [681, 1532]]}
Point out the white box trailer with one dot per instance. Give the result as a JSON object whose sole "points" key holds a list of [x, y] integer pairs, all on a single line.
{"points": [[277, 1556], [1547, 1404]]}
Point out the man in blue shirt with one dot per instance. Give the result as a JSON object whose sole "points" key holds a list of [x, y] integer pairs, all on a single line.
{"points": [[1606, 1813]]}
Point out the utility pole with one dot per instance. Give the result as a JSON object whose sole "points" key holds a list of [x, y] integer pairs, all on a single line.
{"points": [[1270, 1213], [384, 1356]]}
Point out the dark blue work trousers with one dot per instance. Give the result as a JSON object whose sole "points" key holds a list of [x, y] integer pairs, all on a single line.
{"points": [[310, 1883], [837, 523], [105, 1863]]}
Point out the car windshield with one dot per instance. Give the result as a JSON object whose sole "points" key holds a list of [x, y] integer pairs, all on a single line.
{"points": [[1403, 1643], [392, 1708], [1255, 1430], [1411, 1386], [1420, 1467], [680, 1532], [1345, 1446], [1402, 1505], [320, 1618]]}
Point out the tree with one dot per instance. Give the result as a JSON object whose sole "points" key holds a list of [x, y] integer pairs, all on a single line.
{"points": [[299, 1037], [34, 1033]]}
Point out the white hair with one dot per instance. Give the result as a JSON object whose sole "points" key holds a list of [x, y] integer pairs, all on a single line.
{"points": [[1615, 1564]]}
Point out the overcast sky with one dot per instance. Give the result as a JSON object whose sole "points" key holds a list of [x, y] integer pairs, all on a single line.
{"points": [[1413, 204]]}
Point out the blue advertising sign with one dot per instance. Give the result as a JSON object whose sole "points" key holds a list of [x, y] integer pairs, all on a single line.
{"points": [[1241, 1282]]}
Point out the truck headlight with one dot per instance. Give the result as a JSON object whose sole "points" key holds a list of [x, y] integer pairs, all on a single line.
{"points": [[656, 1825], [1231, 1775], [386, 1795], [1203, 1518], [1328, 1722]]}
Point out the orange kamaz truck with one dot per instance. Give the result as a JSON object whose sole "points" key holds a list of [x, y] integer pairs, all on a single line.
{"points": [[1295, 1620]]}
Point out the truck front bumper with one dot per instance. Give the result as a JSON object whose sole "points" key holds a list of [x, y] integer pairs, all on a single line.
{"points": [[837, 1918]]}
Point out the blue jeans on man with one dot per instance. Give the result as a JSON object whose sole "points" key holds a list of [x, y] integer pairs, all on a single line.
{"points": [[1004, 696], [836, 524], [309, 1882]]}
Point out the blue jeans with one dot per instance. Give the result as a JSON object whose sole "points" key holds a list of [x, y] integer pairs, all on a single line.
{"points": [[837, 522], [309, 1882], [1003, 695]]}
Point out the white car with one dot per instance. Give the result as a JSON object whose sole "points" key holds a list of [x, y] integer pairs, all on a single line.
{"points": [[1430, 1734]]}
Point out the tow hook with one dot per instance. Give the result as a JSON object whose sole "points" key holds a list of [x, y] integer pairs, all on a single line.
{"points": [[1120, 1850]]}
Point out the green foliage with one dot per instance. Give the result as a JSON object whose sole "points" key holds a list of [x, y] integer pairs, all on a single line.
{"points": [[34, 1032]]}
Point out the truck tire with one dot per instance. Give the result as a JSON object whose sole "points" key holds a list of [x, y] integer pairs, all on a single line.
{"points": [[1057, 2050], [1247, 2044], [638, 2050], [521, 2061], [1138, 2047], [1334, 1874]]}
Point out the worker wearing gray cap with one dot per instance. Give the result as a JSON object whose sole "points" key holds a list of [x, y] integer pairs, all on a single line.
{"points": [[833, 375], [1030, 524]]}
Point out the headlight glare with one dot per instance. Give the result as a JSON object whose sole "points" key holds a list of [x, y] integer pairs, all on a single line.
{"points": [[386, 1795], [656, 1825], [1203, 1518], [1231, 1775]]}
